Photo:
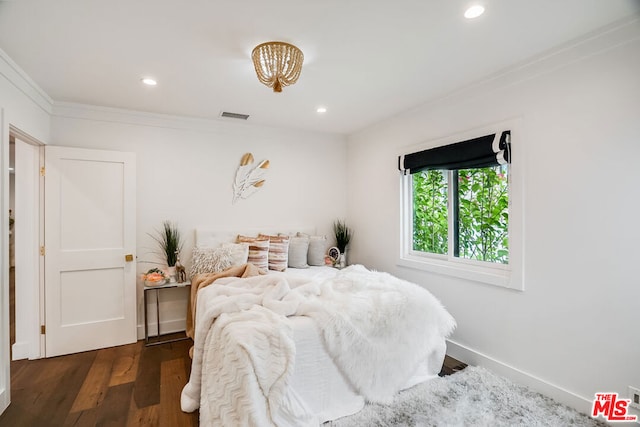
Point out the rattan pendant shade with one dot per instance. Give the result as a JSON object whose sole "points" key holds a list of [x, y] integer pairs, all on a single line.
{"points": [[277, 64]]}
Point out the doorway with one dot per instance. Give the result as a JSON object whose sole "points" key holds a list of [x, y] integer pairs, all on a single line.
{"points": [[24, 263], [12, 257]]}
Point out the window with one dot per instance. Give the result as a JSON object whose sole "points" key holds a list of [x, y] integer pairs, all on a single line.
{"points": [[478, 212], [457, 210]]}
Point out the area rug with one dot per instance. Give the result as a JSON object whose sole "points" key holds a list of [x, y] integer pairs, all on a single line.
{"points": [[473, 396]]}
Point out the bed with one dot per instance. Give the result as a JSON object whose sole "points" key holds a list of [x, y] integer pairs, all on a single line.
{"points": [[308, 345]]}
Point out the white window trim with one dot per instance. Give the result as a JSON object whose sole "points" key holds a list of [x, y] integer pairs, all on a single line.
{"points": [[507, 276]]}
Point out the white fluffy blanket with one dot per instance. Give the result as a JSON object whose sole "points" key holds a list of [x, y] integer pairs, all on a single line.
{"points": [[378, 328]]}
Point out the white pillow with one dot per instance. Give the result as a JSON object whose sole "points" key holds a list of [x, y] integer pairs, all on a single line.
{"points": [[239, 252], [211, 260]]}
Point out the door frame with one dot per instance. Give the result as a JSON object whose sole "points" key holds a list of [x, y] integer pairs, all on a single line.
{"points": [[29, 311], [5, 364], [7, 130]]}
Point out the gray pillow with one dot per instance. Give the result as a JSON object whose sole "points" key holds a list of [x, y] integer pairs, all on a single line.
{"points": [[298, 249], [317, 250]]}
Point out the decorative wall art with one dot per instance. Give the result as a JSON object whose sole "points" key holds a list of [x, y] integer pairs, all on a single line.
{"points": [[249, 177]]}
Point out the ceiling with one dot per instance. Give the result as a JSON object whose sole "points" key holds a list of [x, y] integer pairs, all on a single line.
{"points": [[365, 60]]}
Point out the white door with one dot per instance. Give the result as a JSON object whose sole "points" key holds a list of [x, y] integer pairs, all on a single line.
{"points": [[90, 276]]}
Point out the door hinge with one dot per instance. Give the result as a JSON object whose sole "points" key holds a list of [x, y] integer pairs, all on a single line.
{"points": [[42, 250], [42, 171], [43, 329]]}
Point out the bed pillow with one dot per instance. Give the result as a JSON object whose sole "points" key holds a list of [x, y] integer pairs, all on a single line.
{"points": [[239, 252], [278, 252], [298, 250], [210, 260], [317, 249], [258, 250]]}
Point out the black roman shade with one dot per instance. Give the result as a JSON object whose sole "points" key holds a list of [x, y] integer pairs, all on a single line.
{"points": [[482, 152]]}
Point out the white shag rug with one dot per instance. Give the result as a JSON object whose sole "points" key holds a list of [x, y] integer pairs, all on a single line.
{"points": [[473, 396]]}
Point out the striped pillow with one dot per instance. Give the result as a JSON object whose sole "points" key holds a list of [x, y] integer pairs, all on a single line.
{"points": [[258, 250], [278, 252]]}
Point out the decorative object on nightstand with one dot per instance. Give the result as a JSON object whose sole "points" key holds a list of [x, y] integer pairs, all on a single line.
{"points": [[181, 272], [333, 254], [154, 277], [343, 236], [170, 244]]}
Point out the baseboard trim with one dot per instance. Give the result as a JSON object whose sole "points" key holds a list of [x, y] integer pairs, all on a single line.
{"points": [[20, 350], [475, 358], [166, 327]]}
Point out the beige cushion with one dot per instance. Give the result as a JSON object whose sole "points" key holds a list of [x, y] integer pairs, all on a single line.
{"points": [[239, 252], [258, 250], [278, 252]]}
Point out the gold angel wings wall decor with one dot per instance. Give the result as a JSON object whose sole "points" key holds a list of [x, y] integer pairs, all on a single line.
{"points": [[248, 177]]}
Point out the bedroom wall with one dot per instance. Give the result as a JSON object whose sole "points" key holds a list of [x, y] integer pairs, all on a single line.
{"points": [[574, 330], [185, 171], [24, 106]]}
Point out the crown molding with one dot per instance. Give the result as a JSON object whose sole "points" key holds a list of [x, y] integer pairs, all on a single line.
{"points": [[609, 37], [98, 113], [21, 81]]}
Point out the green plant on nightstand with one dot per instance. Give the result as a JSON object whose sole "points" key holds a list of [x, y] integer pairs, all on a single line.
{"points": [[169, 241], [343, 237]]}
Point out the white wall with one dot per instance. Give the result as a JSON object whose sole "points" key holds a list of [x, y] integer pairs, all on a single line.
{"points": [[574, 330], [185, 171], [25, 107]]}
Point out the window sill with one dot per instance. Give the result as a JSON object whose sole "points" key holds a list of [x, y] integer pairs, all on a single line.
{"points": [[497, 276]]}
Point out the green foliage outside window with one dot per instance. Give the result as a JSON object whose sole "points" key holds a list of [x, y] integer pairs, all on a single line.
{"points": [[430, 222], [483, 215]]}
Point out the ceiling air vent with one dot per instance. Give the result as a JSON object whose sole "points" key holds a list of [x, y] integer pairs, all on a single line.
{"points": [[234, 115]]}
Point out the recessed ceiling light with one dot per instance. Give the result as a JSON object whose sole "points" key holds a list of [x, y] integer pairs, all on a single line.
{"points": [[321, 109], [474, 11], [149, 81]]}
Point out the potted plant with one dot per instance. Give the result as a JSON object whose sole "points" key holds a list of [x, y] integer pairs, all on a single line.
{"points": [[170, 244], [343, 236]]}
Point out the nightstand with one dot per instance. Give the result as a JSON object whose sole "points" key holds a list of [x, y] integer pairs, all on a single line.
{"points": [[158, 288]]}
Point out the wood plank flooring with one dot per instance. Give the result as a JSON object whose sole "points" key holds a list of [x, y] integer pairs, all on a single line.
{"points": [[130, 385]]}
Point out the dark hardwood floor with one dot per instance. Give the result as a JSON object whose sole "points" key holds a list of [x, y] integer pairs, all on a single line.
{"points": [[130, 385], [451, 366]]}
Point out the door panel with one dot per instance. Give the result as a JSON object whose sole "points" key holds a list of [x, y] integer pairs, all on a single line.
{"points": [[90, 290]]}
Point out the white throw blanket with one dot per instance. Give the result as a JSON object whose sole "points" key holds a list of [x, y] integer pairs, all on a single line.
{"points": [[377, 328]]}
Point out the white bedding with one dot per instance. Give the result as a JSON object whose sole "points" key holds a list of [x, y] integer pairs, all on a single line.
{"points": [[359, 335]]}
